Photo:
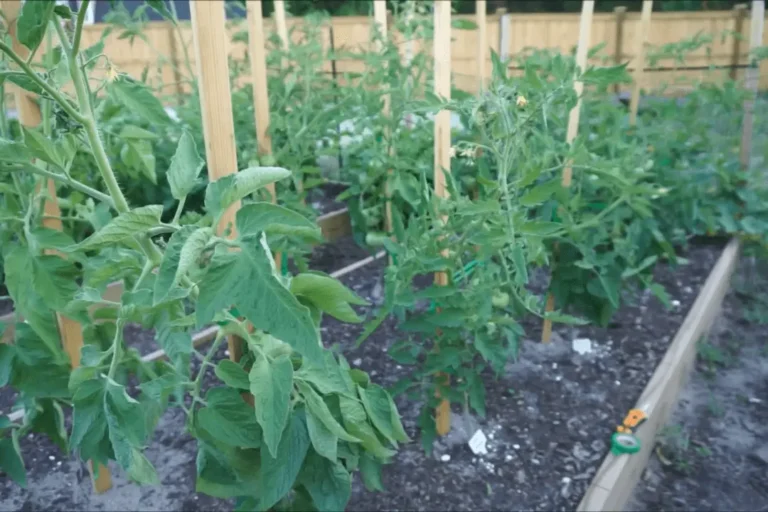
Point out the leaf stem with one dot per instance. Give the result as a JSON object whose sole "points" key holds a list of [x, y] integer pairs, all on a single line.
{"points": [[179, 208], [60, 99], [198, 383], [82, 187], [116, 349]]}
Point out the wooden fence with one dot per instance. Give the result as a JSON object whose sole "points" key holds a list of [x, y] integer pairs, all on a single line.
{"points": [[161, 52]]}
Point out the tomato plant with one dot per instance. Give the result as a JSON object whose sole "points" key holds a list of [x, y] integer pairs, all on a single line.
{"points": [[312, 420]]}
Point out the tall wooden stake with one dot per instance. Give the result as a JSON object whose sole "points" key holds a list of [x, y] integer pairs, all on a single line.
{"points": [[739, 13], [282, 27], [482, 41], [442, 56], [210, 41], [585, 27], [70, 331], [258, 59], [642, 42], [621, 15], [504, 34], [751, 81], [380, 22]]}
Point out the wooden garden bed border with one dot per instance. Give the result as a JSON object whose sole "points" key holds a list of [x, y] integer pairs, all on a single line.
{"points": [[334, 225], [209, 333], [617, 477]]}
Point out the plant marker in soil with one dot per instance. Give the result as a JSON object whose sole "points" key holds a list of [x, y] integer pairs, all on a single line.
{"points": [[585, 28]]}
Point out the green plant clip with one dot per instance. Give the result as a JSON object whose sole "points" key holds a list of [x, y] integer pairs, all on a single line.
{"points": [[622, 443]]}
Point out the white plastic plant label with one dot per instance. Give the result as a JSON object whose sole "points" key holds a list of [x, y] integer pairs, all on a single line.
{"points": [[477, 443]]}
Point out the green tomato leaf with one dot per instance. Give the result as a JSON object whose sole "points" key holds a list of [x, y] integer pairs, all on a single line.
{"points": [[137, 98], [89, 422], [33, 22], [123, 227], [134, 132], [11, 462], [167, 274], [326, 375], [317, 408], [247, 280], [228, 419], [7, 355], [278, 473], [53, 278], [328, 295], [323, 441], [232, 374], [380, 408], [127, 426], [225, 191], [370, 470], [540, 193], [271, 383], [356, 423], [269, 218], [159, 6], [22, 79], [185, 167], [328, 483], [539, 228]]}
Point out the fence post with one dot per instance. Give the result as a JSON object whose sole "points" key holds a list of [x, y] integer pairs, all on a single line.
{"points": [[642, 41], [442, 56], [258, 58], [739, 14], [585, 29], [504, 35], [210, 42], [70, 331], [621, 15], [751, 81]]}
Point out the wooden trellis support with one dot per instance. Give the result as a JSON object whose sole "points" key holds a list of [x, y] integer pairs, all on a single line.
{"points": [[442, 56], [258, 57], [70, 331], [280, 24], [751, 81], [585, 28], [380, 21], [642, 43], [482, 41], [211, 44]]}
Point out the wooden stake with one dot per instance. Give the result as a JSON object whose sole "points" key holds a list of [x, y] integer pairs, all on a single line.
{"points": [[70, 331], [751, 82], [210, 41], [482, 41], [504, 34], [442, 56], [642, 42], [258, 58], [585, 28], [282, 27], [739, 13], [380, 22], [621, 15]]}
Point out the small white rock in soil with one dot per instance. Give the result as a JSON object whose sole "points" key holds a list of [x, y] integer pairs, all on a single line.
{"points": [[535, 461], [554, 366], [508, 458], [566, 480], [675, 303], [516, 446], [226, 353], [618, 383], [754, 400], [582, 345], [51, 457], [445, 458], [357, 362], [477, 443]]}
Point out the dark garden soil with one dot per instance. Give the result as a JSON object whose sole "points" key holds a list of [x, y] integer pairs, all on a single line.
{"points": [[548, 422], [713, 454]]}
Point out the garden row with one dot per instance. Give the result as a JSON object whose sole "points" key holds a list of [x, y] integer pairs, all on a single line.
{"points": [[523, 216]]}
